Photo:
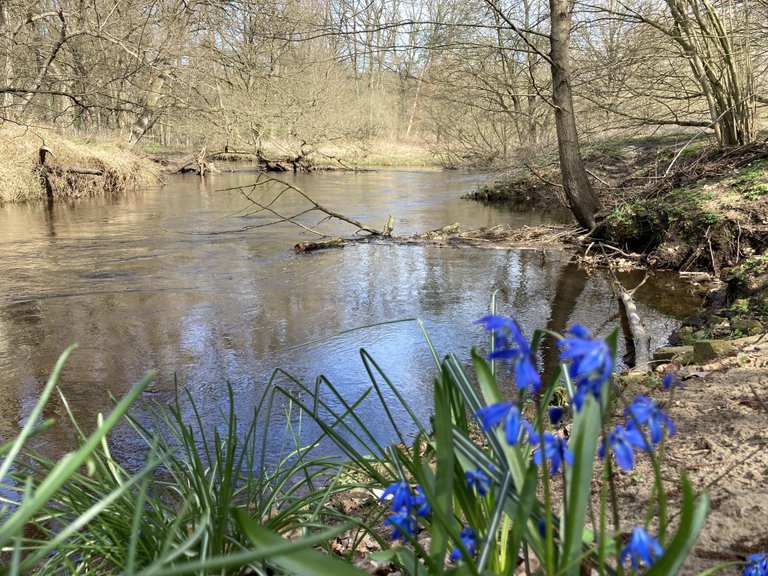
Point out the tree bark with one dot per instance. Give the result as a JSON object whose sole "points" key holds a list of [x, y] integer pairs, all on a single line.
{"points": [[581, 197], [5, 50]]}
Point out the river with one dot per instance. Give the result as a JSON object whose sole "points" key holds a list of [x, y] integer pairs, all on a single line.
{"points": [[180, 280]]}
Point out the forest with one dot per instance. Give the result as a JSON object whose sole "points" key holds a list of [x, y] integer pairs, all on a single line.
{"points": [[391, 287]]}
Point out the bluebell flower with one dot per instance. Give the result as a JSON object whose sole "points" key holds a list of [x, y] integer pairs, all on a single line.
{"points": [[469, 539], [514, 423], [401, 495], [645, 411], [670, 380], [512, 345], [556, 414], [642, 547], [403, 524], [590, 362], [541, 526], [477, 480], [406, 506], [623, 442], [554, 449], [757, 565], [420, 503]]}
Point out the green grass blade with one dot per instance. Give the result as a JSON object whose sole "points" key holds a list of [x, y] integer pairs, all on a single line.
{"points": [[445, 459], [34, 416], [67, 466], [692, 518], [299, 560]]}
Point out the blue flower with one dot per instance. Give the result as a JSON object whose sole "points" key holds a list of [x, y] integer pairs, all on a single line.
{"points": [[623, 442], [670, 380], [512, 345], [757, 565], [554, 448], [469, 540], [478, 480], [420, 503], [406, 507], [401, 495], [403, 525], [642, 547], [645, 411], [591, 362], [509, 413], [556, 414]]}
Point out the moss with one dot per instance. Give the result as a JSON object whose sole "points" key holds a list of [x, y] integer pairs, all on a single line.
{"points": [[752, 266], [752, 181], [643, 223], [693, 149]]}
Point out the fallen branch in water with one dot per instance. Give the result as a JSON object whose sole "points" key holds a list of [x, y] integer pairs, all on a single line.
{"points": [[248, 192], [641, 339]]}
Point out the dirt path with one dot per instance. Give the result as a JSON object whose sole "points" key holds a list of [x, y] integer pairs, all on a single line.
{"points": [[721, 413]]}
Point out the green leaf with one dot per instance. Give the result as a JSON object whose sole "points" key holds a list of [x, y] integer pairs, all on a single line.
{"points": [[31, 425], [583, 444], [486, 379], [719, 568], [302, 560], [443, 499], [692, 518], [527, 497]]}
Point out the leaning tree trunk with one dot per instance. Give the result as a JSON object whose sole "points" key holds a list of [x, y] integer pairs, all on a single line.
{"points": [[582, 199], [146, 117]]}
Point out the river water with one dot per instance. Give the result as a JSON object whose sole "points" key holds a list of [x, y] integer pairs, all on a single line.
{"points": [[181, 279]]}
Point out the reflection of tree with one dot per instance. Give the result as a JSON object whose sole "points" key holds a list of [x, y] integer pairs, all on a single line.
{"points": [[571, 282], [13, 391]]}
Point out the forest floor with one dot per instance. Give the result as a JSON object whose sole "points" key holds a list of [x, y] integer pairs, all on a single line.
{"points": [[667, 206], [721, 414]]}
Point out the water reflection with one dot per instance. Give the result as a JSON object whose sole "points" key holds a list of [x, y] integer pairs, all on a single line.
{"points": [[140, 285]]}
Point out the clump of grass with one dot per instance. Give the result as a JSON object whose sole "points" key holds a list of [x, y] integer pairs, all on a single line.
{"points": [[200, 504], [20, 175]]}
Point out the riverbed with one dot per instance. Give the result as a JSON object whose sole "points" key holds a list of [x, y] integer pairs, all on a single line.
{"points": [[185, 280]]}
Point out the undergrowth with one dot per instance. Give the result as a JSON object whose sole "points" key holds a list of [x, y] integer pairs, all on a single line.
{"points": [[489, 486]]}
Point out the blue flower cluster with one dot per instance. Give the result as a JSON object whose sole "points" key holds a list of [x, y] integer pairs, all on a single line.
{"points": [[550, 447], [643, 413], [590, 362], [642, 547], [478, 480], [469, 540], [757, 565], [407, 506], [512, 345]]}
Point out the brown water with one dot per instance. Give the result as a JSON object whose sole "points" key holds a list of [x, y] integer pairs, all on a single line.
{"points": [[149, 281]]}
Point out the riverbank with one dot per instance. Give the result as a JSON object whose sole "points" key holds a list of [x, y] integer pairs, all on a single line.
{"points": [[76, 167], [289, 156]]}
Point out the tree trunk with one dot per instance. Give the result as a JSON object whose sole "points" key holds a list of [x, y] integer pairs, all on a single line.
{"points": [[146, 117], [5, 51], [582, 199]]}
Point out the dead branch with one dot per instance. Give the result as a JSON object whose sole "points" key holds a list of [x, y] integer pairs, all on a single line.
{"points": [[264, 180], [641, 339]]}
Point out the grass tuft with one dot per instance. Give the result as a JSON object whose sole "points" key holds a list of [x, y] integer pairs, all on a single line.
{"points": [[20, 176]]}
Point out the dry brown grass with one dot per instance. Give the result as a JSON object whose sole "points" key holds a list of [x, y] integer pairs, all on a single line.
{"points": [[20, 175]]}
